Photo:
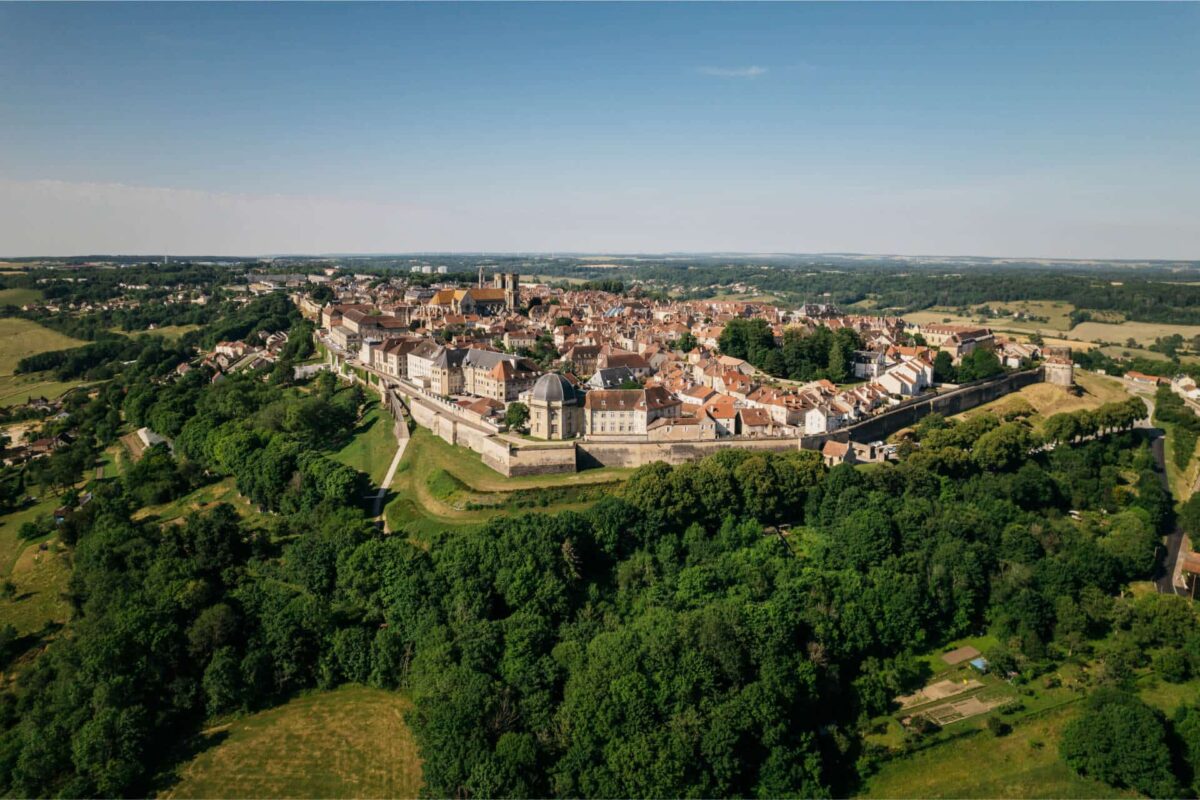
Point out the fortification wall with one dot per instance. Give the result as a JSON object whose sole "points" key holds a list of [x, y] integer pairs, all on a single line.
{"points": [[962, 399], [512, 460], [509, 458], [635, 454]]}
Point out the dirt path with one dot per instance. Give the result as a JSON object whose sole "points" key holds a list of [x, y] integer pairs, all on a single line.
{"points": [[387, 479]]}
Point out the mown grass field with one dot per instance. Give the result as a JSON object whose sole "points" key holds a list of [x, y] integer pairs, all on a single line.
{"points": [[440, 487], [20, 338], [19, 297], [373, 446], [1181, 481], [350, 742]]}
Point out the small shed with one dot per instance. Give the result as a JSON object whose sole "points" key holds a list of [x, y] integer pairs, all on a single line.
{"points": [[980, 664]]}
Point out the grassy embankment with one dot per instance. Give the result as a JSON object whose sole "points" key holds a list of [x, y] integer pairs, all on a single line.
{"points": [[1047, 400], [373, 446], [20, 338], [441, 487], [349, 742]]}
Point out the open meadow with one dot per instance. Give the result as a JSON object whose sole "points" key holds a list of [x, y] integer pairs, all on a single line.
{"points": [[20, 338], [349, 742], [19, 297]]}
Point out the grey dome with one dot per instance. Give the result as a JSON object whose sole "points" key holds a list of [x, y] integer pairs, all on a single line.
{"points": [[553, 388]]}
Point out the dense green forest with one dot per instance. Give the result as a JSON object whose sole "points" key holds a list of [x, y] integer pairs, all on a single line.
{"points": [[724, 627], [667, 641]]}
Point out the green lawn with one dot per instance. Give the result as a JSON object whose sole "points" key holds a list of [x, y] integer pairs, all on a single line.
{"points": [[373, 446], [933, 658], [351, 742]]}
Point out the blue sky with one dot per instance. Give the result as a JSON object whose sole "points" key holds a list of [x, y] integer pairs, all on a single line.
{"points": [[1067, 130]]}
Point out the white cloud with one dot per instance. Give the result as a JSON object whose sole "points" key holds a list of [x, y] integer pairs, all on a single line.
{"points": [[734, 72]]}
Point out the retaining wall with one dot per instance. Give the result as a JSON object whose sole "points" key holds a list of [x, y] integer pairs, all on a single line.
{"points": [[635, 454], [962, 399]]}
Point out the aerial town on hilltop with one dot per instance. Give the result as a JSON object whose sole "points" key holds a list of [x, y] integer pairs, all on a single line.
{"points": [[597, 366]]}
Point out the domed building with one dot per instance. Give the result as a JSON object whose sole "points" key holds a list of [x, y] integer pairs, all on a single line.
{"points": [[555, 408]]}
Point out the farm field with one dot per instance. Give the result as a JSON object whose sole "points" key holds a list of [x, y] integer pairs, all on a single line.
{"points": [[350, 742], [1047, 400], [19, 297], [20, 338], [747, 297], [1057, 314], [1142, 332], [1058, 326], [1120, 351], [373, 446], [440, 487]]}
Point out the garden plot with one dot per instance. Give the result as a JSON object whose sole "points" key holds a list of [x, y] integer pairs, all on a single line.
{"points": [[938, 691]]}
